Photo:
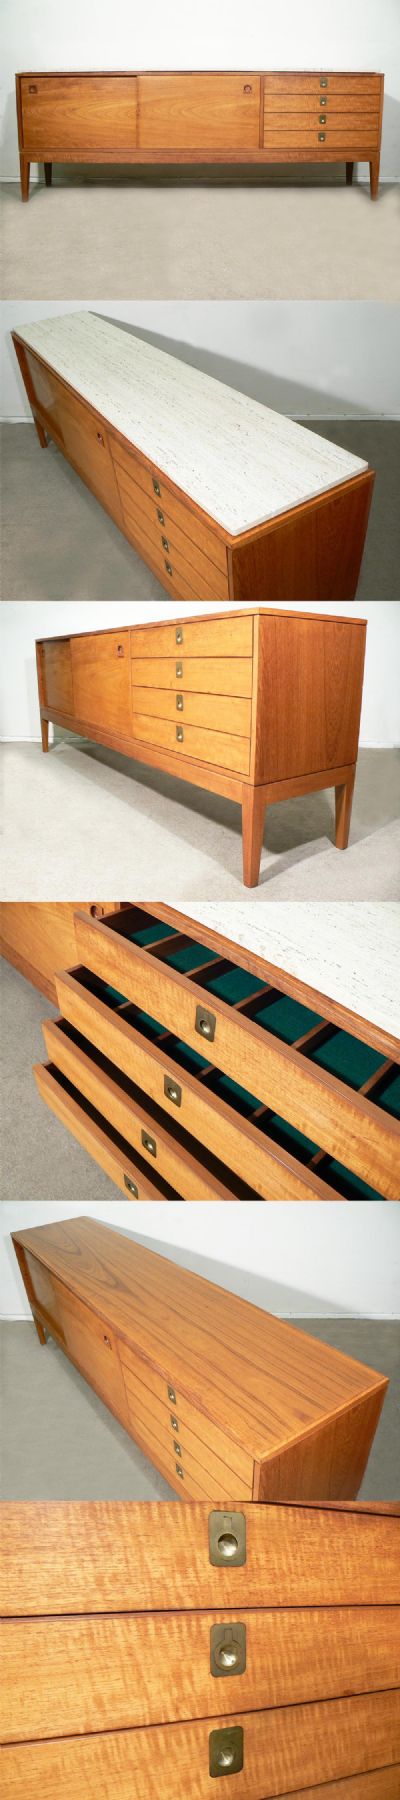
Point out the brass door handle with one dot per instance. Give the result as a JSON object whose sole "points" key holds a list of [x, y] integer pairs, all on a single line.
{"points": [[100, 438], [247, 88]]}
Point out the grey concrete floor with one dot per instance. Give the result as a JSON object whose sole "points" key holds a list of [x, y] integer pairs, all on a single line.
{"points": [[287, 233], [59, 544], [126, 829], [61, 1443]]}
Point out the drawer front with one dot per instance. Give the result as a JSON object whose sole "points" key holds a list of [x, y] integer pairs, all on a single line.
{"points": [[75, 112], [325, 1739], [172, 545], [212, 1122], [218, 712], [324, 82], [194, 112], [171, 565], [101, 680], [326, 134], [281, 105], [164, 506], [191, 1446], [188, 1468], [191, 674], [316, 1102], [44, 1295], [228, 637], [291, 1658], [141, 1376], [57, 675], [216, 747], [100, 1142], [187, 1170]]}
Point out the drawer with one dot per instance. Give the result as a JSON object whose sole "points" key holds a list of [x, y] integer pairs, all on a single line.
{"points": [[56, 668], [78, 112], [101, 680], [174, 545], [283, 104], [272, 1046], [317, 82], [216, 747], [191, 1172], [218, 712], [222, 1121], [328, 1739], [226, 638], [191, 1445], [191, 674], [140, 1374], [114, 1155], [332, 135], [172, 566], [198, 111], [132, 474], [291, 1658], [190, 1469]]}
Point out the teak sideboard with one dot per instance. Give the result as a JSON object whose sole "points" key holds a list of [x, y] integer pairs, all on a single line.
{"points": [[200, 117], [192, 1068], [256, 705], [226, 1400], [149, 1650], [222, 497]]}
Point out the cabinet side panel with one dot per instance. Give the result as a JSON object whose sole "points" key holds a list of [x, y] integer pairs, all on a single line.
{"points": [[310, 680], [329, 1464], [39, 938]]}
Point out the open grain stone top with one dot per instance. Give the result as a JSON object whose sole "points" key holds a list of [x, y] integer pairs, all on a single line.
{"points": [[236, 459]]}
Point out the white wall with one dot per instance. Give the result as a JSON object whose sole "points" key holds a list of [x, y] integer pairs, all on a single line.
{"points": [[23, 621], [317, 359], [301, 1261], [362, 34]]}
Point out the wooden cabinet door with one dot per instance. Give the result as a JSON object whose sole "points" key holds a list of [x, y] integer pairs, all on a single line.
{"points": [[101, 680], [57, 675], [194, 112], [68, 113]]}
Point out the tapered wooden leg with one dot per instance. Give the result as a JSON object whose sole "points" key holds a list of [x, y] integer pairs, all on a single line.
{"points": [[349, 173], [44, 725], [40, 1330], [344, 801], [253, 815], [43, 439], [48, 172], [24, 176], [374, 177]]}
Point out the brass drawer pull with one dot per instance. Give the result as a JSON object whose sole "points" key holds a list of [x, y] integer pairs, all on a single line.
{"points": [[131, 1186], [156, 486], [177, 1449], [179, 671], [226, 1750], [323, 82], [160, 516], [149, 1143], [174, 1422], [179, 1471], [168, 569], [171, 1395], [322, 119], [179, 634], [179, 702], [180, 734], [247, 88], [100, 438], [227, 1650], [321, 137], [206, 1024], [164, 541], [173, 1091], [227, 1539]]}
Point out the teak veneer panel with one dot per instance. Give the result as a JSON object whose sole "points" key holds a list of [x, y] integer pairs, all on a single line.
{"points": [[273, 1391], [159, 693], [290, 520], [199, 116], [38, 937], [330, 1738]]}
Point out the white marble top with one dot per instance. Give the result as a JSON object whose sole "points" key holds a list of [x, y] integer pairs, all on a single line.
{"points": [[238, 460]]}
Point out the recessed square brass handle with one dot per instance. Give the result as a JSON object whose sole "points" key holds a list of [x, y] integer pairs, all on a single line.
{"points": [[177, 1449], [321, 137], [160, 516], [180, 734], [227, 1539], [323, 81], [149, 1143], [179, 634], [179, 1471], [172, 1395], [172, 1090], [156, 486], [131, 1186], [206, 1024], [227, 1650], [174, 1422], [164, 541], [322, 119], [179, 702], [179, 671], [169, 569], [226, 1750]]}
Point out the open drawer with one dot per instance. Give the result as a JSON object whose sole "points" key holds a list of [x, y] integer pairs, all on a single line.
{"points": [[276, 1080]]}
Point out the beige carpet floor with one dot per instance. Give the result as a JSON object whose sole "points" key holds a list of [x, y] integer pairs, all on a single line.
{"points": [[292, 235], [85, 819], [61, 1443], [59, 544]]}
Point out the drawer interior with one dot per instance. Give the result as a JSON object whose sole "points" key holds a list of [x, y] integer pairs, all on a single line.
{"points": [[355, 1063], [161, 1187]]}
